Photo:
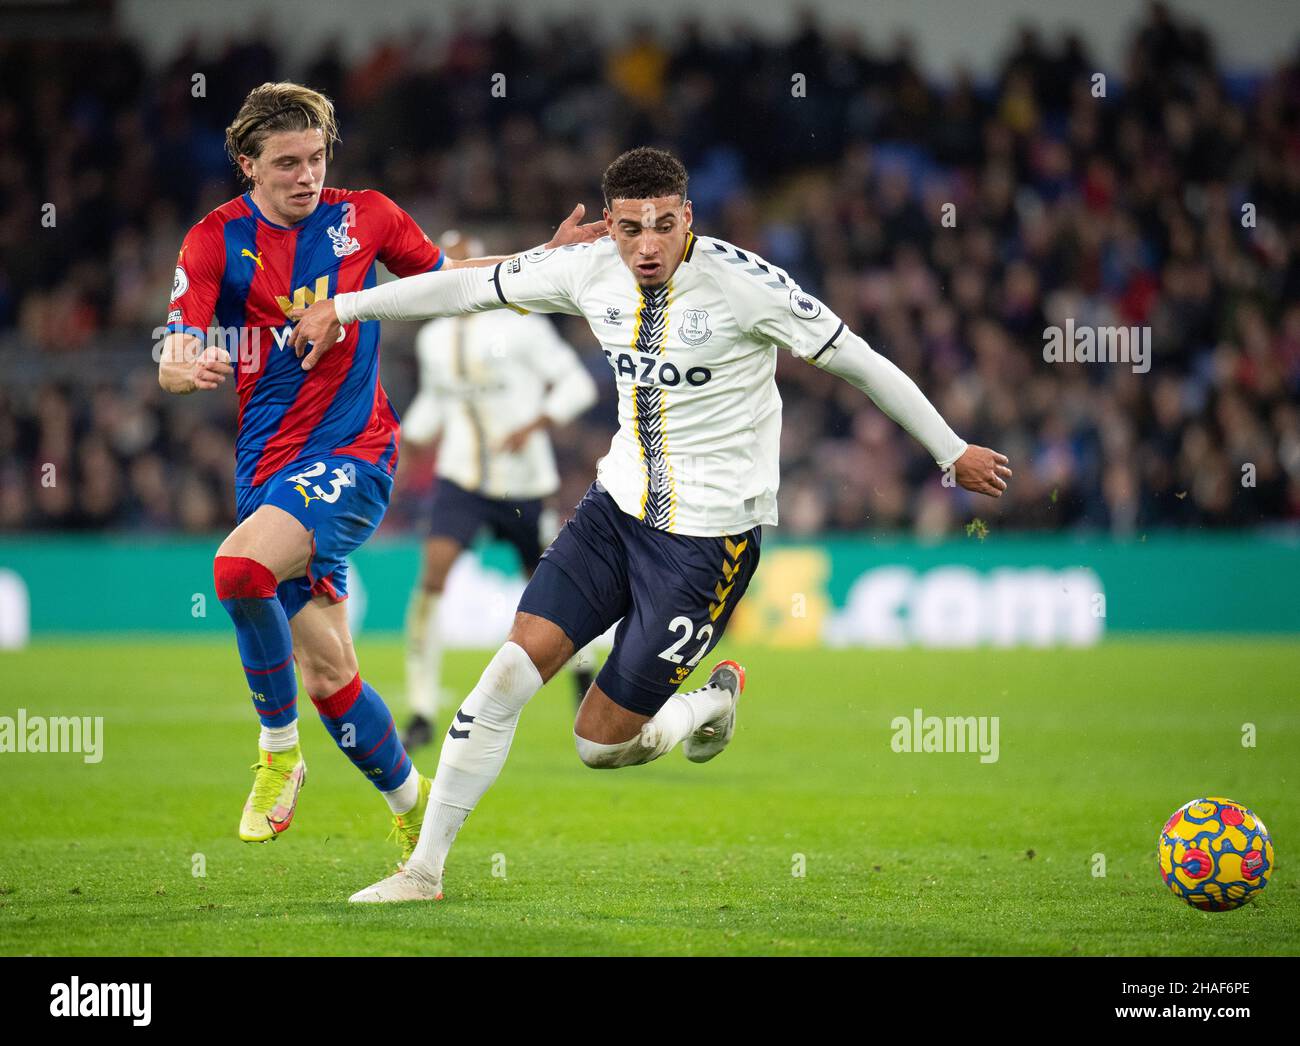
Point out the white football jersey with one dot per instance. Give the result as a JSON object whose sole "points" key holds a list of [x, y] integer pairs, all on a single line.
{"points": [[698, 444], [483, 377]]}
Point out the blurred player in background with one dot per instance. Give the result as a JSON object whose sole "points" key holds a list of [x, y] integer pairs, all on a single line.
{"points": [[315, 449], [491, 386], [667, 538]]}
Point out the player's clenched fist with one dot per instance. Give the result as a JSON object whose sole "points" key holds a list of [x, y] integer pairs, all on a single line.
{"points": [[982, 470], [211, 367], [317, 326]]}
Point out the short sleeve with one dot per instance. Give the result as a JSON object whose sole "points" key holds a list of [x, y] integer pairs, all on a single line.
{"points": [[196, 284], [544, 279], [406, 250]]}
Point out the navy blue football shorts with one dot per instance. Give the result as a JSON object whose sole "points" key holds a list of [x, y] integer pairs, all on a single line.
{"points": [[674, 593], [460, 514]]}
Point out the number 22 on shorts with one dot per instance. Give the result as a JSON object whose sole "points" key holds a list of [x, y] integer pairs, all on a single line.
{"points": [[685, 626]]}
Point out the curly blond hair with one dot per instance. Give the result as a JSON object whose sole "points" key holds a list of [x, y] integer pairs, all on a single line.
{"points": [[278, 107]]}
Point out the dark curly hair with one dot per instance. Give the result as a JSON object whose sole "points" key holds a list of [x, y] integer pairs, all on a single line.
{"points": [[644, 173]]}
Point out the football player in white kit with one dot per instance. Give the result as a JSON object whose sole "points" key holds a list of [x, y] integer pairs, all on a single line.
{"points": [[491, 387], [668, 536]]}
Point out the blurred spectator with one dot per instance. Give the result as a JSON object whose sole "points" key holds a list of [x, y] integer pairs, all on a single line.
{"points": [[948, 224]]}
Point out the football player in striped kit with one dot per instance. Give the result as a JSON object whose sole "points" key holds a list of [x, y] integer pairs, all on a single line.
{"points": [[667, 538], [491, 387], [315, 448]]}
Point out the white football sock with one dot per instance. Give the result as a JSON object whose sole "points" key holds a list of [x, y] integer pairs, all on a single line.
{"points": [[474, 751], [279, 738], [404, 796], [441, 824], [423, 653], [681, 716]]}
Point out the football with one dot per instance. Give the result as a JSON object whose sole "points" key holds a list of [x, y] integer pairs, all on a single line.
{"points": [[1215, 854]]}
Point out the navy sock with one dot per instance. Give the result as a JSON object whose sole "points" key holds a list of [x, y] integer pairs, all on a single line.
{"points": [[363, 728], [247, 591]]}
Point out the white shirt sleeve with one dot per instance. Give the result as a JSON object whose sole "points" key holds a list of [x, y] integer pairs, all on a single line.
{"points": [[543, 279], [570, 388], [781, 312], [895, 393], [539, 280], [453, 292], [771, 305]]}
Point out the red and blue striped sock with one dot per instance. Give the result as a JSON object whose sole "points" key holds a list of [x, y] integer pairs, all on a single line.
{"points": [[247, 591], [361, 725]]}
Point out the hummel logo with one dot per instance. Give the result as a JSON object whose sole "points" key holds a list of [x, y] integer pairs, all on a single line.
{"points": [[461, 717], [612, 316]]}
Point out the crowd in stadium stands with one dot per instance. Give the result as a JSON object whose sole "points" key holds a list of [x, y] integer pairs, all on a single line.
{"points": [[949, 224]]}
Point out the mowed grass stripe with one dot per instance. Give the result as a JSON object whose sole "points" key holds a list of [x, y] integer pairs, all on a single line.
{"points": [[920, 853]]}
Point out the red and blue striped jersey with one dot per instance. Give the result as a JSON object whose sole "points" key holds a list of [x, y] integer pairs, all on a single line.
{"points": [[248, 273]]}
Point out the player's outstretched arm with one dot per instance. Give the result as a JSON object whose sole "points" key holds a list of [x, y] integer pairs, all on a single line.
{"points": [[524, 283], [426, 296], [976, 468], [185, 366]]}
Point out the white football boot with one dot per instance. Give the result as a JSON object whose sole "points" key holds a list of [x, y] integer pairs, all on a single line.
{"points": [[714, 736], [406, 885]]}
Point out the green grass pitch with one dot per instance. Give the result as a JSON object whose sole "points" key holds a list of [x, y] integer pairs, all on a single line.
{"points": [[901, 853]]}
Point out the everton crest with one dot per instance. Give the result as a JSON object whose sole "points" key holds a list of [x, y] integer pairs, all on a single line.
{"points": [[695, 327]]}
